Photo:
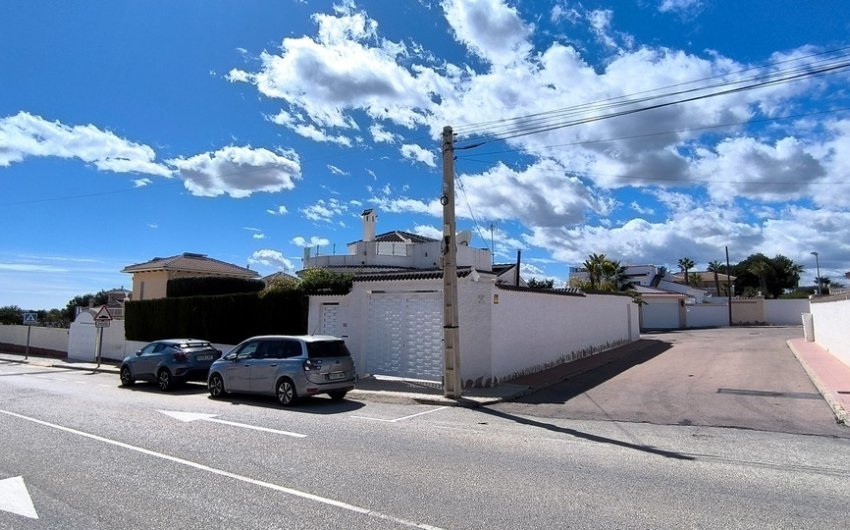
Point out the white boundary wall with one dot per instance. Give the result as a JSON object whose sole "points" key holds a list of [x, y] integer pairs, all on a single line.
{"points": [[707, 315], [830, 318], [503, 333], [533, 331], [55, 339], [785, 312]]}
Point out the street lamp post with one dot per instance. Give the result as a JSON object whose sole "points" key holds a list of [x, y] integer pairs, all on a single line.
{"points": [[817, 267]]}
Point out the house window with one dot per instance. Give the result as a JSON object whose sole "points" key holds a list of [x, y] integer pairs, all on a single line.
{"points": [[141, 290]]}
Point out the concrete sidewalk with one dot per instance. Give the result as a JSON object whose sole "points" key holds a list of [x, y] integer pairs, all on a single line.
{"points": [[830, 375]]}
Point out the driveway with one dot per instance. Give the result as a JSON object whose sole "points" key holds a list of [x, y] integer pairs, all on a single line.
{"points": [[726, 377]]}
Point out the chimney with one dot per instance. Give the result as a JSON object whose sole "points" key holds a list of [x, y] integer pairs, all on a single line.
{"points": [[370, 219]]}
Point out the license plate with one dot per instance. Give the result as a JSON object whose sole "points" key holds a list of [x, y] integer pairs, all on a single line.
{"points": [[204, 357], [333, 376]]}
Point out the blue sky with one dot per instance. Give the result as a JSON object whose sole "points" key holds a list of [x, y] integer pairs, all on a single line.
{"points": [[249, 130]]}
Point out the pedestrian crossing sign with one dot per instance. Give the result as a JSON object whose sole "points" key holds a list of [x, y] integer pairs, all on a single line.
{"points": [[30, 319]]}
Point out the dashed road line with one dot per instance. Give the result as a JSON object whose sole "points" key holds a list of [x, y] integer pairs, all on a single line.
{"points": [[396, 420], [235, 476]]}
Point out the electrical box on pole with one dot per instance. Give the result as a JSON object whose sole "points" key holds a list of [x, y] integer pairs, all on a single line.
{"points": [[451, 338]]}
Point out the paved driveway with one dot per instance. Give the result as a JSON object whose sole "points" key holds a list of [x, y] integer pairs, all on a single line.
{"points": [[728, 377]]}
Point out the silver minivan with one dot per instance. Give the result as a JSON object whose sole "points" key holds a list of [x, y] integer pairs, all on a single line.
{"points": [[285, 366]]}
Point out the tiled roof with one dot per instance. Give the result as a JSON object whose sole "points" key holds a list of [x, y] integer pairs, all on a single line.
{"points": [[500, 268], [568, 291], [415, 274], [398, 236], [279, 275], [191, 262]]}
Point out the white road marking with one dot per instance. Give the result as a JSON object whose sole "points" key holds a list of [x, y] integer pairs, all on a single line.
{"points": [[399, 419], [15, 498], [228, 474], [192, 416]]}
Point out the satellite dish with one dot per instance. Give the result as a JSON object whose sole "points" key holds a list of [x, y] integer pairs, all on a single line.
{"points": [[464, 237]]}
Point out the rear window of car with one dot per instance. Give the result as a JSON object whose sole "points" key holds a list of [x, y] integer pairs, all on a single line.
{"points": [[327, 348], [195, 346]]}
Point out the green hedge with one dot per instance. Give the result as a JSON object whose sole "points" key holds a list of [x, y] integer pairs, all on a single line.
{"points": [[227, 319], [210, 286]]}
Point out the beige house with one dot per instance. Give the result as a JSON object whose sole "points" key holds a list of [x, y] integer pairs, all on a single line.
{"points": [[705, 280], [151, 278]]}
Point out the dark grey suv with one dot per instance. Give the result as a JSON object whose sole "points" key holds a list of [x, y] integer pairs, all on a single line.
{"points": [[287, 367], [168, 362]]}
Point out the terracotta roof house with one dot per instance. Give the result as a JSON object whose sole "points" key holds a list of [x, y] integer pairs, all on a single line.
{"points": [[705, 280], [150, 278]]}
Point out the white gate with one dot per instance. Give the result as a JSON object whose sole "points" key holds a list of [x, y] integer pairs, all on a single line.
{"points": [[405, 335], [330, 319]]}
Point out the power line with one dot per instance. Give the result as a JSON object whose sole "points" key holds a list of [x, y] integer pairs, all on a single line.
{"points": [[555, 125], [629, 99]]}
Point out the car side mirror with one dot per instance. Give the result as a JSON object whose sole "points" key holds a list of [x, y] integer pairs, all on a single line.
{"points": [[138, 352]]}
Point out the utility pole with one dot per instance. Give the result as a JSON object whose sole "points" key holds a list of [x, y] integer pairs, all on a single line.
{"points": [[451, 338], [729, 285]]}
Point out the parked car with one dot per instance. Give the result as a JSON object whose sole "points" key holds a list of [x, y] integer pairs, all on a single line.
{"points": [[287, 367], [169, 362]]}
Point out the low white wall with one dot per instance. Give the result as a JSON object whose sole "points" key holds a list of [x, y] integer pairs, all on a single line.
{"points": [[830, 318], [532, 331], [707, 315], [55, 339], [785, 312], [83, 338], [660, 313]]}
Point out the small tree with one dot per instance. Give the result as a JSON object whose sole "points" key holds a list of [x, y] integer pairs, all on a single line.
{"points": [[323, 281], [686, 264], [11, 314], [716, 267], [534, 283]]}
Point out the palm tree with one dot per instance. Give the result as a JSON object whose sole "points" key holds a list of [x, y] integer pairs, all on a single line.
{"points": [[594, 265], [760, 269], [615, 276], [716, 267], [686, 264]]}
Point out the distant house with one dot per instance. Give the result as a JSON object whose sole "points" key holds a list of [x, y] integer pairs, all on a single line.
{"points": [[399, 251], [705, 280], [280, 275], [150, 279]]}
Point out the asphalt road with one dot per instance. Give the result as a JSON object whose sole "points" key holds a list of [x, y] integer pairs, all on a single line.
{"points": [[92, 455], [726, 377]]}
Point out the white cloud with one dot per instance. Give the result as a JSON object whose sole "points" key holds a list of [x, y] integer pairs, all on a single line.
{"points": [[337, 171], [313, 242], [271, 258], [641, 210], [141, 183], [25, 135], [419, 154], [381, 135], [324, 211], [280, 210], [680, 6], [428, 231], [259, 236], [238, 172], [490, 29]]}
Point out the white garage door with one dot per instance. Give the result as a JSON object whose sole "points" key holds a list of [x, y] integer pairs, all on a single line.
{"points": [[660, 315], [405, 336]]}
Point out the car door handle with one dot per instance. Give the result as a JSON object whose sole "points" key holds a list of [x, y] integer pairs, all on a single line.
{"points": [[275, 364]]}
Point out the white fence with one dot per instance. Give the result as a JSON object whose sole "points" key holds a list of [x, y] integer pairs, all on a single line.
{"points": [[785, 311], [830, 317], [707, 315], [532, 331], [54, 339]]}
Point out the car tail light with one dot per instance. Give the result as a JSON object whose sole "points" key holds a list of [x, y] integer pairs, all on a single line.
{"points": [[312, 364], [180, 357]]}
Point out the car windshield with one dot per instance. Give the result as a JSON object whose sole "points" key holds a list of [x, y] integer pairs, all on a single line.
{"points": [[327, 348]]}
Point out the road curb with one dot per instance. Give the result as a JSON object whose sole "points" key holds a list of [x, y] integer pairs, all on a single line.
{"points": [[828, 394]]}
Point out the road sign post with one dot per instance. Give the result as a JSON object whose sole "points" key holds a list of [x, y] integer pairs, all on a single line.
{"points": [[30, 319], [101, 320]]}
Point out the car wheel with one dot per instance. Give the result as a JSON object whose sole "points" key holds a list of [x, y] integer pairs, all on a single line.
{"points": [[164, 380], [337, 395], [286, 392], [126, 376], [216, 386]]}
